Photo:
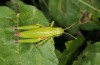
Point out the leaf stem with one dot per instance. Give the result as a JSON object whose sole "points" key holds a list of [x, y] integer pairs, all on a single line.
{"points": [[89, 5]]}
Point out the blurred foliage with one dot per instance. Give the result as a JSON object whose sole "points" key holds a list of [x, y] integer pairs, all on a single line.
{"points": [[81, 17], [90, 55]]}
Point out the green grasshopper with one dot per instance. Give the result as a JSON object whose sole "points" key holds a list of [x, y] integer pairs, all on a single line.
{"points": [[39, 33]]}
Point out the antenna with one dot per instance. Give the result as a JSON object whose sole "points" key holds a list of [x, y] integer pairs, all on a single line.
{"points": [[70, 35], [70, 26]]}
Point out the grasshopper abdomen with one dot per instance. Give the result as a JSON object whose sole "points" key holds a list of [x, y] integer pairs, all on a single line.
{"points": [[41, 32]]}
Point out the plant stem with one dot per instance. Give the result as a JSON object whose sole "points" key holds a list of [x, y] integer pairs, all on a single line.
{"points": [[89, 5]]}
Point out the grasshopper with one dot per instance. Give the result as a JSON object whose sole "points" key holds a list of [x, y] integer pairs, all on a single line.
{"points": [[39, 33]]}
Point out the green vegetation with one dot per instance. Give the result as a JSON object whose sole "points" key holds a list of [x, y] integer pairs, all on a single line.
{"points": [[85, 50]]}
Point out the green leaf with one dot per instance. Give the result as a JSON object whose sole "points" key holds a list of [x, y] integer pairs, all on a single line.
{"points": [[7, 17], [65, 12], [28, 14], [23, 54], [31, 14], [96, 3], [57, 52], [68, 53], [90, 55], [7, 22], [90, 26], [89, 21], [69, 11], [27, 54]]}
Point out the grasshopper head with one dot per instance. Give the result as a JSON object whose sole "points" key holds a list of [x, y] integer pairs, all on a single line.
{"points": [[60, 31]]}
